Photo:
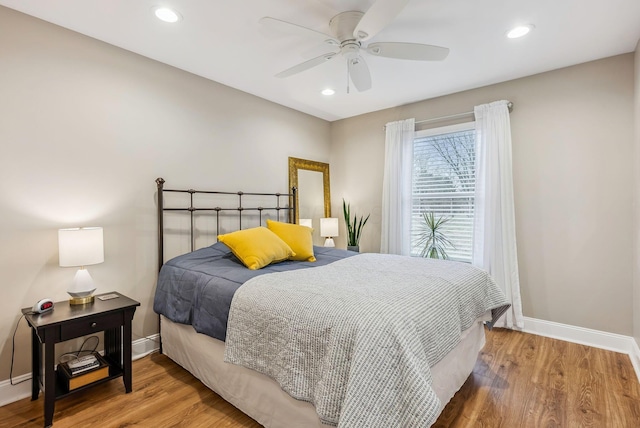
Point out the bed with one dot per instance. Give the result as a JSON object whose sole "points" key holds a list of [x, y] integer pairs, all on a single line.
{"points": [[358, 339]]}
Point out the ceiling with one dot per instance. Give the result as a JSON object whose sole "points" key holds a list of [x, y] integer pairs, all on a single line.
{"points": [[222, 40]]}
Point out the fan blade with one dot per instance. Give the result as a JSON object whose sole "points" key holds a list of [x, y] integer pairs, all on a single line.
{"points": [[306, 65], [379, 15], [298, 30], [359, 72], [321, 49], [412, 51]]}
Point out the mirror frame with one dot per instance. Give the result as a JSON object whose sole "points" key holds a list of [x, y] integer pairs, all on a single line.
{"points": [[296, 164]]}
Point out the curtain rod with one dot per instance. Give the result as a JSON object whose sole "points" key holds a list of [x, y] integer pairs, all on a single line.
{"points": [[455, 116]]}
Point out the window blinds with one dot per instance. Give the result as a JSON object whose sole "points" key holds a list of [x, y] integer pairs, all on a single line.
{"points": [[443, 182]]}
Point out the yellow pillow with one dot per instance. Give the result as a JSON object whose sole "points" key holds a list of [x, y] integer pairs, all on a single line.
{"points": [[299, 238], [257, 247]]}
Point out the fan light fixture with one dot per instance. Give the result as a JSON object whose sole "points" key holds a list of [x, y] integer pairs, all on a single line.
{"points": [[520, 31], [167, 15], [328, 91]]}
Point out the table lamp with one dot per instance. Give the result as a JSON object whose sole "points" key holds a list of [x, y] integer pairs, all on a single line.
{"points": [[81, 246], [329, 229]]}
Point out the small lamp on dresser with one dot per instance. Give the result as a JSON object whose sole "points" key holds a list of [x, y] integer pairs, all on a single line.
{"points": [[80, 247]]}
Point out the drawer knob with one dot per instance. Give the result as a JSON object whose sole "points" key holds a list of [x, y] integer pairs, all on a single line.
{"points": [[94, 325]]}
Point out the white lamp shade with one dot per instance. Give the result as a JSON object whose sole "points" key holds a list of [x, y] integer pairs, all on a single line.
{"points": [[81, 246], [306, 222], [328, 227]]}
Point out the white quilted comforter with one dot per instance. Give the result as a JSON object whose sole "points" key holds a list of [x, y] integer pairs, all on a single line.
{"points": [[357, 337]]}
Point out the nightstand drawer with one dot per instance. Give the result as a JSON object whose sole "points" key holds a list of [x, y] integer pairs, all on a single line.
{"points": [[83, 327]]}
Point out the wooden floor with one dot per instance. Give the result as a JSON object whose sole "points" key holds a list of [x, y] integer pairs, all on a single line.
{"points": [[519, 380]]}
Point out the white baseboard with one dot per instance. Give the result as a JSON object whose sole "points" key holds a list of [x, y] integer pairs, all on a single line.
{"points": [[10, 393], [585, 336], [145, 346]]}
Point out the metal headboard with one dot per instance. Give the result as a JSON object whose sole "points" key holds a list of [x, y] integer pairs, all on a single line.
{"points": [[290, 209]]}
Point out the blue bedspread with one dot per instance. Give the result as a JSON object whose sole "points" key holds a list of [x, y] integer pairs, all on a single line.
{"points": [[197, 288]]}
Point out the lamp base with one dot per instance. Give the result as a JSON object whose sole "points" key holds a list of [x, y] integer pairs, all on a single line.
{"points": [[329, 242], [81, 300]]}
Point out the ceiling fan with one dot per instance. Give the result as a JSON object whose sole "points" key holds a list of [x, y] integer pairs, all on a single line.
{"points": [[349, 30]]}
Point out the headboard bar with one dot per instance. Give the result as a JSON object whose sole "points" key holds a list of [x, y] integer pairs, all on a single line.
{"points": [[227, 209], [291, 209], [224, 193]]}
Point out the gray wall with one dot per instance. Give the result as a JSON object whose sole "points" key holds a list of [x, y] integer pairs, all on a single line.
{"points": [[85, 129], [573, 136]]}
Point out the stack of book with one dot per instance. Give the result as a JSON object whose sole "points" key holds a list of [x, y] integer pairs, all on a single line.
{"points": [[83, 371]]}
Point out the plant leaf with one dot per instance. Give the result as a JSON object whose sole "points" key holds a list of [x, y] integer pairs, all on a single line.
{"points": [[432, 238]]}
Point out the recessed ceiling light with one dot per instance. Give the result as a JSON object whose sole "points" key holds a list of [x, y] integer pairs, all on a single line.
{"points": [[328, 91], [167, 15], [519, 31]]}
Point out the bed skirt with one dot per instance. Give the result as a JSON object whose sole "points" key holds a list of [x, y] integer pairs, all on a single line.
{"points": [[260, 397]]}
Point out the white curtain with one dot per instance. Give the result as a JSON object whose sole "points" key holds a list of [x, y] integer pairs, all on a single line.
{"points": [[396, 187], [494, 234]]}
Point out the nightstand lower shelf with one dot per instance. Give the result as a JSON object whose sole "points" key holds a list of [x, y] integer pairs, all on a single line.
{"points": [[62, 390]]}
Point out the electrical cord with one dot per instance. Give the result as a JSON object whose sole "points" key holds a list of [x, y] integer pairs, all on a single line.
{"points": [[76, 354], [13, 351]]}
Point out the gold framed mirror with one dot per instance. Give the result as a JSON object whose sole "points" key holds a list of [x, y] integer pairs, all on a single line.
{"points": [[311, 179]]}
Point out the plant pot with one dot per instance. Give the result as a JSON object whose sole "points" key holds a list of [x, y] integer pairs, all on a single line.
{"points": [[355, 248]]}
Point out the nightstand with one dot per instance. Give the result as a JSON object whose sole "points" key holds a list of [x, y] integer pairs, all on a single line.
{"points": [[67, 322]]}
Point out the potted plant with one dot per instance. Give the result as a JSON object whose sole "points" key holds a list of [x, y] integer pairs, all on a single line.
{"points": [[354, 227], [432, 239]]}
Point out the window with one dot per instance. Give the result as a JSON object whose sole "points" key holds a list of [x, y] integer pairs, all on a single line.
{"points": [[443, 183]]}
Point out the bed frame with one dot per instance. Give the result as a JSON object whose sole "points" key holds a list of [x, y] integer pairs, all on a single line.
{"points": [[289, 209]]}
